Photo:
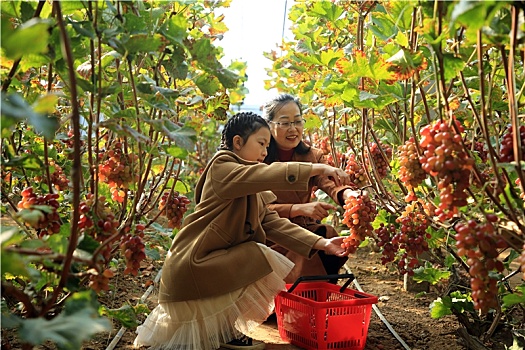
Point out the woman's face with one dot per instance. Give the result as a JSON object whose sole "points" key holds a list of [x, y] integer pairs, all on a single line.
{"points": [[255, 147], [289, 137]]}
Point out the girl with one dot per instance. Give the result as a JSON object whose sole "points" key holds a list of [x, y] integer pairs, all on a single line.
{"points": [[285, 116], [219, 279]]}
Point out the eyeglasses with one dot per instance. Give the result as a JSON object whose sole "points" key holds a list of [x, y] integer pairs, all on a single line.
{"points": [[288, 125]]}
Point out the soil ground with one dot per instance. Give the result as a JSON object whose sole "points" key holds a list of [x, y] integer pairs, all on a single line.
{"points": [[406, 312]]}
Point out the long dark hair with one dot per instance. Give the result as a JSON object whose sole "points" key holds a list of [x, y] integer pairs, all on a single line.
{"points": [[243, 124], [270, 108]]}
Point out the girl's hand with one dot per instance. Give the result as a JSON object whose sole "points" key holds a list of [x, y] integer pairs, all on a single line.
{"points": [[339, 176], [332, 246], [315, 210]]}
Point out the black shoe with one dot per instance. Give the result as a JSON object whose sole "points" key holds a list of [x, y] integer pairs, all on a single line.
{"points": [[243, 342]]}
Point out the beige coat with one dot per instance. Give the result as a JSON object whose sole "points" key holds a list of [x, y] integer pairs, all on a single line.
{"points": [[283, 205], [215, 252]]}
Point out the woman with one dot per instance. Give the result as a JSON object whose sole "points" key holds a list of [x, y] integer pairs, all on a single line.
{"points": [[219, 280], [285, 116]]}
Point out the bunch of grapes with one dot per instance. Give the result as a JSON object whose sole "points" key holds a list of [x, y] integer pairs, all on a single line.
{"points": [[100, 281], [479, 148], [356, 171], [410, 172], [133, 249], [376, 157], [479, 244], [507, 149], [173, 207], [444, 157], [98, 222], [118, 170], [384, 236], [57, 177], [322, 144], [412, 237], [359, 213], [330, 159], [46, 221]]}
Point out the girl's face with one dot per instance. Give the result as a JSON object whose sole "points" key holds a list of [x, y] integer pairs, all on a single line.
{"points": [[255, 147], [287, 136]]}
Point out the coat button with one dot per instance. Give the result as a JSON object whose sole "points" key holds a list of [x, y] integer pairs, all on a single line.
{"points": [[291, 178]]}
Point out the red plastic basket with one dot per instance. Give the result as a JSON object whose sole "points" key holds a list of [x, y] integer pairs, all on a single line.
{"points": [[321, 315]]}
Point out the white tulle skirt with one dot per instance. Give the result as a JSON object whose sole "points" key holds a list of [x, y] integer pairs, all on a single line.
{"points": [[205, 323]]}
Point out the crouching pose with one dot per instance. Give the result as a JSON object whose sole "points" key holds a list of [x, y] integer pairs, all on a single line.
{"points": [[220, 279]]}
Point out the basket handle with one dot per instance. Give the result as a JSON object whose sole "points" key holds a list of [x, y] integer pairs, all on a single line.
{"points": [[350, 277]]}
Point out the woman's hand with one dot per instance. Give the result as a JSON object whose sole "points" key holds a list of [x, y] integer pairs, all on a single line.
{"points": [[339, 176], [331, 246], [314, 210]]}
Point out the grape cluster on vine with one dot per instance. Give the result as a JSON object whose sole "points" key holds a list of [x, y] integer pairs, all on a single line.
{"points": [[479, 243], [444, 157], [321, 143], [118, 169], [411, 172], [57, 177], [479, 148], [100, 281], [389, 250], [98, 221], [173, 208], [356, 171], [507, 148], [359, 213], [406, 241], [376, 157], [132, 247], [47, 220], [412, 237]]}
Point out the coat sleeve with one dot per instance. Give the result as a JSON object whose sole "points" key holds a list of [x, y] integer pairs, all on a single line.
{"points": [[284, 210], [289, 235], [230, 179]]}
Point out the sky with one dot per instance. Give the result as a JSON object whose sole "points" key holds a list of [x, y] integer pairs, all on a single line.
{"points": [[255, 26]]}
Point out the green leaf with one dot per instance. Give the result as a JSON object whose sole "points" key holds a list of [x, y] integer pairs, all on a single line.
{"points": [[430, 274], [513, 299], [125, 315], [208, 84], [176, 152], [327, 9], [143, 43], [30, 37], [228, 78], [440, 307], [175, 29], [473, 14], [401, 39], [182, 136], [11, 262], [58, 243], [328, 58], [452, 65], [66, 331], [14, 107], [152, 253]]}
